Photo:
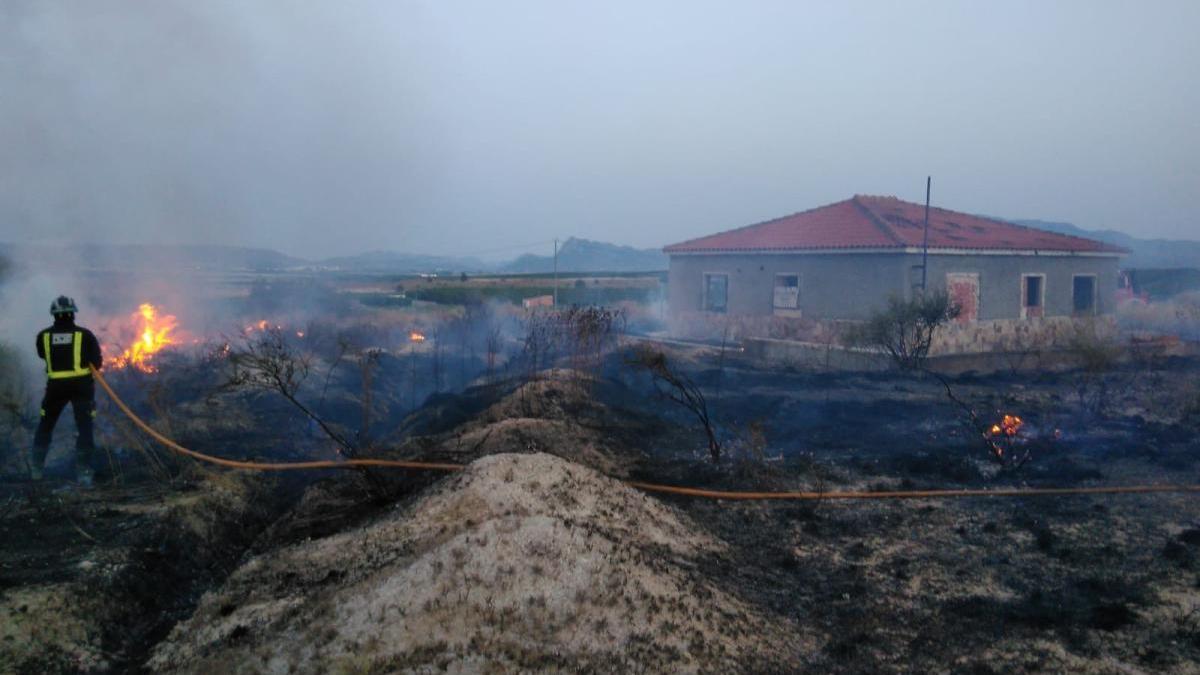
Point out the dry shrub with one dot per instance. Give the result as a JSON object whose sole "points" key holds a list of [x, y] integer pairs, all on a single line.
{"points": [[905, 328], [673, 384], [1097, 353], [267, 362], [750, 444], [582, 335], [1024, 348], [16, 401]]}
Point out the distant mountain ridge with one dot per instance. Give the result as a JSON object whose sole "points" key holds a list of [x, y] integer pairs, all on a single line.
{"points": [[585, 255], [575, 255], [1144, 253], [181, 257]]}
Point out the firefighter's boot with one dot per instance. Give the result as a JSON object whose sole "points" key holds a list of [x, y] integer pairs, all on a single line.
{"points": [[36, 460], [84, 474]]}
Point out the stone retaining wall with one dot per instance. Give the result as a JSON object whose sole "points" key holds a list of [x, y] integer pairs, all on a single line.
{"points": [[978, 337]]}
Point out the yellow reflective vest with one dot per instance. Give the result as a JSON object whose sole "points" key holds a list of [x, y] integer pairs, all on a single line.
{"points": [[52, 342]]}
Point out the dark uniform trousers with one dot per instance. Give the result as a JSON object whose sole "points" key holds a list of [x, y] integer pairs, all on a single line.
{"points": [[80, 392], [68, 350]]}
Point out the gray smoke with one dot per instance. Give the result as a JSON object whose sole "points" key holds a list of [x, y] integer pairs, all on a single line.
{"points": [[225, 121], [325, 128]]}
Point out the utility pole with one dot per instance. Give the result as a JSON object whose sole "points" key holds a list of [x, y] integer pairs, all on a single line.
{"points": [[556, 272], [925, 243]]}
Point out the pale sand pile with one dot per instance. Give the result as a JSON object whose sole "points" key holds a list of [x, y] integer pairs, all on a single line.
{"points": [[556, 414], [521, 562]]}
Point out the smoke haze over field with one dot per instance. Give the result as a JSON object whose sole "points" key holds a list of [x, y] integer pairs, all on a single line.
{"points": [[457, 128]]}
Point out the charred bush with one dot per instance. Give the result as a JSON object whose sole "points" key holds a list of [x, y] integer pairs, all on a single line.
{"points": [[266, 362], [672, 384], [580, 335], [1097, 355], [750, 443], [1023, 349], [16, 400], [905, 328]]}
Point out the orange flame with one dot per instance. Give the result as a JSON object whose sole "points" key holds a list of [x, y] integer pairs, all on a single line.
{"points": [[154, 334], [416, 337], [1009, 426]]}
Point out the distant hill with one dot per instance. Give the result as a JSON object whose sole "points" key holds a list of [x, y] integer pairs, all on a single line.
{"points": [[1146, 253], [182, 257], [575, 255], [583, 255], [392, 261]]}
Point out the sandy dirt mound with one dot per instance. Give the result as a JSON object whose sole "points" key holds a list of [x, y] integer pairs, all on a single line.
{"points": [[563, 413], [520, 562]]}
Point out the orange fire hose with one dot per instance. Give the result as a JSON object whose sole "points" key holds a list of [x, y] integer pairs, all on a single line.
{"points": [[264, 466], [648, 487], [915, 494]]}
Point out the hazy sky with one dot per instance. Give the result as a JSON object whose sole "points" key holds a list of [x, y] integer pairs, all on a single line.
{"points": [[321, 128]]}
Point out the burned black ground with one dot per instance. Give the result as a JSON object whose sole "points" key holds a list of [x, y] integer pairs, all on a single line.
{"points": [[972, 585]]}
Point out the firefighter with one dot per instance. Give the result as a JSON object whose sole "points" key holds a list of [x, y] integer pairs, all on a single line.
{"points": [[68, 351]]}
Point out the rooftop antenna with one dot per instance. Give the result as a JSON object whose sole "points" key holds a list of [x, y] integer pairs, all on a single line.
{"points": [[925, 241]]}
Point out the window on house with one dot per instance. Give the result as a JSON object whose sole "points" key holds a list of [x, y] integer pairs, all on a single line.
{"points": [[1084, 294], [787, 291], [716, 292], [1033, 293]]}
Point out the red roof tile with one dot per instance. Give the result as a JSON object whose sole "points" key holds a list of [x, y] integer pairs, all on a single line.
{"points": [[886, 223]]}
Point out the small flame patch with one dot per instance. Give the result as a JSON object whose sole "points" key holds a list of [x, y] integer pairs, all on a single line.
{"points": [[1008, 427], [154, 332]]}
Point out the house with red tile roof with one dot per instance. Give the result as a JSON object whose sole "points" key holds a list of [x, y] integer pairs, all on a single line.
{"points": [[840, 262]]}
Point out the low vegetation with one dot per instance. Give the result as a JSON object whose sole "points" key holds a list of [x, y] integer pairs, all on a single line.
{"points": [[568, 294], [906, 327], [673, 384], [905, 330], [1096, 354], [17, 414], [579, 336]]}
